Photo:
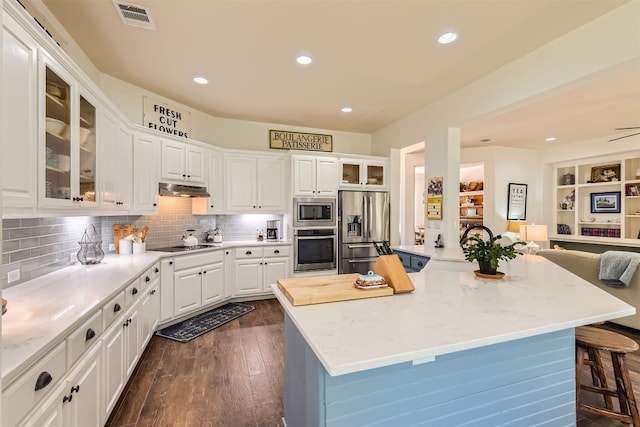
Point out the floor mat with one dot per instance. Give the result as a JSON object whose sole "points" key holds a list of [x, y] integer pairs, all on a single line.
{"points": [[205, 322]]}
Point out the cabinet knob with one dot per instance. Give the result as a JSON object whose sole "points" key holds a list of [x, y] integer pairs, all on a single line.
{"points": [[277, 251], [259, 207], [170, 262], [200, 273], [81, 199], [227, 252], [75, 389], [155, 204], [134, 291], [116, 308], [184, 175], [254, 206], [90, 334], [67, 398], [188, 176], [44, 379], [153, 292], [248, 253], [147, 279], [204, 272], [211, 206], [157, 270]]}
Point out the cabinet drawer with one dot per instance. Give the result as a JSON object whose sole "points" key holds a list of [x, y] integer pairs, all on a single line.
{"points": [[132, 292], [149, 276], [20, 398], [83, 338], [418, 262], [244, 253], [112, 309], [198, 260], [273, 251]]}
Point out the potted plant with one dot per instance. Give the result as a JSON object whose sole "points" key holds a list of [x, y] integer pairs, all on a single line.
{"points": [[488, 253]]}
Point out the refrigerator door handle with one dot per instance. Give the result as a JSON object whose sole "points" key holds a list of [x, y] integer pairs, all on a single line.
{"points": [[361, 260], [369, 216], [365, 219], [359, 246]]}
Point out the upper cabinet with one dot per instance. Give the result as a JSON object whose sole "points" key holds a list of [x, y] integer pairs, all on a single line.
{"points": [[146, 158], [116, 161], [363, 174], [598, 200], [215, 186], [255, 183], [315, 176], [67, 141], [183, 162], [19, 116]]}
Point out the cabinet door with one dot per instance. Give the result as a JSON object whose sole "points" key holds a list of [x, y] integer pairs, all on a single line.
{"points": [[132, 341], [304, 176], [187, 294], [248, 276], [271, 185], [108, 160], [216, 183], [149, 311], [326, 176], [351, 173], [173, 160], [146, 158], [19, 116], [375, 174], [50, 413], [212, 283], [195, 158], [166, 289], [124, 167], [275, 269], [229, 273], [113, 373], [82, 407], [240, 183], [87, 151]]}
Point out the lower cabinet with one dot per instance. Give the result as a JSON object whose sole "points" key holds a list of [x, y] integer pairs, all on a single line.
{"points": [[113, 359], [257, 268]]}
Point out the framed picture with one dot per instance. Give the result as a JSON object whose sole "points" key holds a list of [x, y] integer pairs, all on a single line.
{"points": [[517, 202], [606, 173], [605, 202]]}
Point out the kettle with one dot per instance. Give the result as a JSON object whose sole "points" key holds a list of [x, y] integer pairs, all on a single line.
{"points": [[190, 240]]}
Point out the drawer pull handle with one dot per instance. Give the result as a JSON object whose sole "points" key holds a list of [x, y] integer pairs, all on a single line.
{"points": [[277, 251], [134, 291], [44, 379], [153, 292], [90, 334], [248, 253], [116, 308], [147, 278], [75, 389], [157, 270], [67, 398]]}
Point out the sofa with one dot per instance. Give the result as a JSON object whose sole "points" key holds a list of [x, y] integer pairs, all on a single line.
{"points": [[587, 265]]}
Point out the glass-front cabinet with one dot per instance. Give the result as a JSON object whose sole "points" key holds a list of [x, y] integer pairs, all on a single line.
{"points": [[367, 174], [69, 148]]}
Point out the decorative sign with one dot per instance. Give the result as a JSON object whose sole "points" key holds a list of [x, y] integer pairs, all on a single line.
{"points": [[285, 140], [517, 203], [165, 118], [434, 198]]}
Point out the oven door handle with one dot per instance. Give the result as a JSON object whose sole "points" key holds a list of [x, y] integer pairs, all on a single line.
{"points": [[368, 245], [332, 236], [359, 261]]}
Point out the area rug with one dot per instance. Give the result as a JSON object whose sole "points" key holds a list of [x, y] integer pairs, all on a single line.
{"points": [[205, 322]]}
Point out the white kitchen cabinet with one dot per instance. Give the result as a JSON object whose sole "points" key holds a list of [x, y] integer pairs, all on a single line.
{"points": [[255, 183], [116, 160], [315, 176], [257, 268], [132, 341], [19, 116], [68, 144], [182, 161], [146, 173], [363, 173], [81, 405], [215, 186], [167, 270], [50, 413], [213, 283], [187, 296], [113, 361], [150, 310]]}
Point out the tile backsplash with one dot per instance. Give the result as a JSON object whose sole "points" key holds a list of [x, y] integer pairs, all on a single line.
{"points": [[37, 246]]}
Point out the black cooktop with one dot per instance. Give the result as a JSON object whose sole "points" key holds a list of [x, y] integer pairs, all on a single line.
{"points": [[182, 248]]}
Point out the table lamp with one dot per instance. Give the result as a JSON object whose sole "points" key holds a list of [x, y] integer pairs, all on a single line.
{"points": [[532, 234]]}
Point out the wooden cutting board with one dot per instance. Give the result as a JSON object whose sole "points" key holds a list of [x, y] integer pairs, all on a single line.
{"points": [[321, 289], [120, 231]]}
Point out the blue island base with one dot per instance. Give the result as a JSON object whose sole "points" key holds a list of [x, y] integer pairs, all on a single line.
{"points": [[524, 382]]}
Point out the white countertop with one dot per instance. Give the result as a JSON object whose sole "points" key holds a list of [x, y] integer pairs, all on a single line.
{"points": [[450, 310], [49, 307]]}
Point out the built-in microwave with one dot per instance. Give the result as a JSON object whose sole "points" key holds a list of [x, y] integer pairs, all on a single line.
{"points": [[314, 212]]}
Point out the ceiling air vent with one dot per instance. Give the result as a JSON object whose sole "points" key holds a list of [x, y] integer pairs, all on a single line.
{"points": [[135, 16]]}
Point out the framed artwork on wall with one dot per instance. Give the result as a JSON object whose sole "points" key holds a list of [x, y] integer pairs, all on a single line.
{"points": [[608, 202], [517, 202]]}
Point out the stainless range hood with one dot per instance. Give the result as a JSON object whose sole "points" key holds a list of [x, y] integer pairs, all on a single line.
{"points": [[179, 190]]}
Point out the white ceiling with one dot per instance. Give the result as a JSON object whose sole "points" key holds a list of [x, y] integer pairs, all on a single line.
{"points": [[379, 57]]}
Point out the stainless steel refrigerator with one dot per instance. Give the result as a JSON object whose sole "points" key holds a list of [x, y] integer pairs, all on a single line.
{"points": [[363, 217]]}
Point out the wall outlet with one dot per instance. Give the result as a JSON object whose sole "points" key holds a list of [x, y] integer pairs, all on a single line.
{"points": [[13, 275], [112, 247], [73, 258]]}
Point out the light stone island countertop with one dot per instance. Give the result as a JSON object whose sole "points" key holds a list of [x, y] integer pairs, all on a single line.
{"points": [[44, 310], [450, 310]]}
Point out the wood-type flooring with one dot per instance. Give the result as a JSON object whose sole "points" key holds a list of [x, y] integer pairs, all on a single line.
{"points": [[233, 377]]}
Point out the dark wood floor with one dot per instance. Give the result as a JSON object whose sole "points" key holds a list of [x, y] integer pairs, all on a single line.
{"points": [[233, 376]]}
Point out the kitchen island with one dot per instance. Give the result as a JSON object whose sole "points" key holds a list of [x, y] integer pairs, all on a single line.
{"points": [[459, 349]]}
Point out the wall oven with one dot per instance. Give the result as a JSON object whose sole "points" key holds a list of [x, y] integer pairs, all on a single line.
{"points": [[314, 212], [315, 249]]}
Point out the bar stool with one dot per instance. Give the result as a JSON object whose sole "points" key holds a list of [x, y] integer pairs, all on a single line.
{"points": [[590, 341]]}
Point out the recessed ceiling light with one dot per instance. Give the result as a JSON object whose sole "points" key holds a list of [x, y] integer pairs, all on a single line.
{"points": [[550, 139], [346, 109], [303, 60], [200, 80], [447, 38]]}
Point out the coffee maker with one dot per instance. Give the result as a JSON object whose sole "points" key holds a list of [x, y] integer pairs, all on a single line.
{"points": [[273, 230]]}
